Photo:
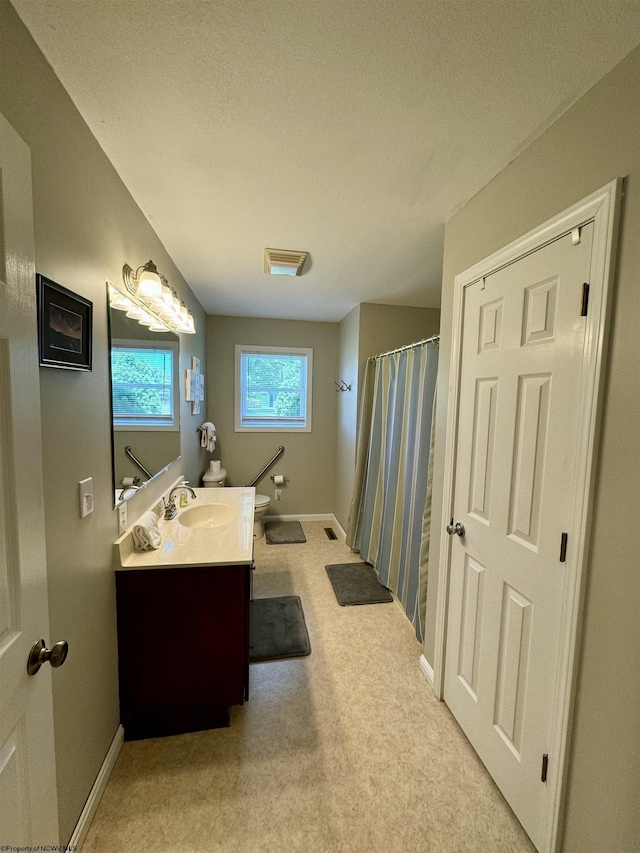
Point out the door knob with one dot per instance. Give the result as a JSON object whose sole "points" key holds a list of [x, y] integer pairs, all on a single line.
{"points": [[458, 528], [40, 654]]}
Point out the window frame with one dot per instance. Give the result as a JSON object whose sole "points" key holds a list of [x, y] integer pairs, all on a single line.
{"points": [[253, 349], [143, 344]]}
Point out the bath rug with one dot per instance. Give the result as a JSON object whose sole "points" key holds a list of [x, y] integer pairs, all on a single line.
{"points": [[357, 583], [284, 533], [278, 629]]}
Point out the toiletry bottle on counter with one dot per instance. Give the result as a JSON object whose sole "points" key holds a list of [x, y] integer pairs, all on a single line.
{"points": [[183, 495], [214, 478]]}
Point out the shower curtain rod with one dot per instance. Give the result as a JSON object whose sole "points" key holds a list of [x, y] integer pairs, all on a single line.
{"points": [[433, 338]]}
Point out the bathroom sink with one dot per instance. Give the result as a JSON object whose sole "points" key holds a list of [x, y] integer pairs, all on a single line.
{"points": [[208, 515], [215, 529]]}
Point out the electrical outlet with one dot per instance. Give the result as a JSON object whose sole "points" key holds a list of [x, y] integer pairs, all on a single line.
{"points": [[85, 493], [278, 494], [122, 518]]}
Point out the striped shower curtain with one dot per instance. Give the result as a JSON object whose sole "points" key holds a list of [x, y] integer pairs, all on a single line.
{"points": [[390, 517]]}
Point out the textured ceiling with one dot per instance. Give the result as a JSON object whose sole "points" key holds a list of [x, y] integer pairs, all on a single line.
{"points": [[351, 129]]}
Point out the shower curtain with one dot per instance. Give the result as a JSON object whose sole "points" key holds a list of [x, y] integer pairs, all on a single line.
{"points": [[390, 517]]}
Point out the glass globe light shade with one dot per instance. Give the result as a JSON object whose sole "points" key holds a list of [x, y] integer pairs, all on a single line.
{"points": [[149, 283]]}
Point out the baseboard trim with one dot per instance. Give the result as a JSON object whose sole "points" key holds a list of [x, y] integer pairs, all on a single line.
{"points": [[427, 670], [326, 516], [95, 795], [340, 529]]}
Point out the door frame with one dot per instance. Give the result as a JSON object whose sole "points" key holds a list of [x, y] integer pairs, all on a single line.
{"points": [[602, 208]]}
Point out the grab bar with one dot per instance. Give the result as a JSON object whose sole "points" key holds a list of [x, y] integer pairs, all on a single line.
{"points": [[127, 450], [277, 455]]}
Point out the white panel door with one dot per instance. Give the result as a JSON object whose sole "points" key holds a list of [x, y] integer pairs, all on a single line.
{"points": [[28, 802], [516, 456]]}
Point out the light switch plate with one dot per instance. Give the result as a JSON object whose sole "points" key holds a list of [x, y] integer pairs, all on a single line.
{"points": [[85, 493], [122, 518]]}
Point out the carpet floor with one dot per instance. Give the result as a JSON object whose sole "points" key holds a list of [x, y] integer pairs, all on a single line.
{"points": [[344, 751]]}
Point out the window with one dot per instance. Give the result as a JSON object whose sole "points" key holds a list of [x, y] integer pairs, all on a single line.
{"points": [[273, 389], [144, 379]]}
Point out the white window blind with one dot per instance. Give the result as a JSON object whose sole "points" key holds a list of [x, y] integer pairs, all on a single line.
{"points": [[273, 389], [143, 386]]}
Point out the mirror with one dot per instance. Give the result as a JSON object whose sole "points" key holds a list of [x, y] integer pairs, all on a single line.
{"points": [[145, 401]]}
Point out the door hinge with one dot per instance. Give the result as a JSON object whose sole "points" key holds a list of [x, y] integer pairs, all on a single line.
{"points": [[585, 300], [563, 547], [545, 767]]}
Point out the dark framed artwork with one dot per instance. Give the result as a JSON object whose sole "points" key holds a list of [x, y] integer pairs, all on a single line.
{"points": [[65, 325]]}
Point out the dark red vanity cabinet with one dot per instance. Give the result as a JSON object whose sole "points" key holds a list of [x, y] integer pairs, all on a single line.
{"points": [[183, 647]]}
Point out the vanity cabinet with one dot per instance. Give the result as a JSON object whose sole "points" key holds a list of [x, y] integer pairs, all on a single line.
{"points": [[183, 647]]}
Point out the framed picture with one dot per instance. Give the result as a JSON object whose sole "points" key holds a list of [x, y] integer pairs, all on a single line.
{"points": [[65, 324]]}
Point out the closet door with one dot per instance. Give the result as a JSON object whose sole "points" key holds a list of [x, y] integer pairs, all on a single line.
{"points": [[517, 459]]}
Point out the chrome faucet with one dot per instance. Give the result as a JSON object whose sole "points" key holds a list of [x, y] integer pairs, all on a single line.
{"points": [[170, 509]]}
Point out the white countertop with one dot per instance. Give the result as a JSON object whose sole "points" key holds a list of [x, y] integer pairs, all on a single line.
{"points": [[230, 544]]}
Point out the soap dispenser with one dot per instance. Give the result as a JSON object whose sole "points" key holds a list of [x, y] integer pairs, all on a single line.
{"points": [[184, 495]]}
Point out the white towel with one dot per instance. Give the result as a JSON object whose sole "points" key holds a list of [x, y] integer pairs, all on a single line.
{"points": [[146, 533], [208, 436]]}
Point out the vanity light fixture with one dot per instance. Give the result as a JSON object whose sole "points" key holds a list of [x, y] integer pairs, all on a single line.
{"points": [[148, 298], [284, 261]]}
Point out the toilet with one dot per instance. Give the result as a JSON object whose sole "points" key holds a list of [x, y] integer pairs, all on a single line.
{"points": [[261, 506], [216, 475]]}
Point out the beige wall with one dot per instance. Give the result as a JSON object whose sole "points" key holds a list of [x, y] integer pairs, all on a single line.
{"points": [[86, 227], [385, 327], [369, 329], [309, 458], [596, 141], [347, 401]]}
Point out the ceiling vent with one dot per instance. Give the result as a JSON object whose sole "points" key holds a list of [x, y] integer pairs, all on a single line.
{"points": [[284, 261]]}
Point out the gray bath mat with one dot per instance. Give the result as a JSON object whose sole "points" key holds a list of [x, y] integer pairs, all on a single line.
{"points": [[284, 532], [278, 629], [357, 583]]}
